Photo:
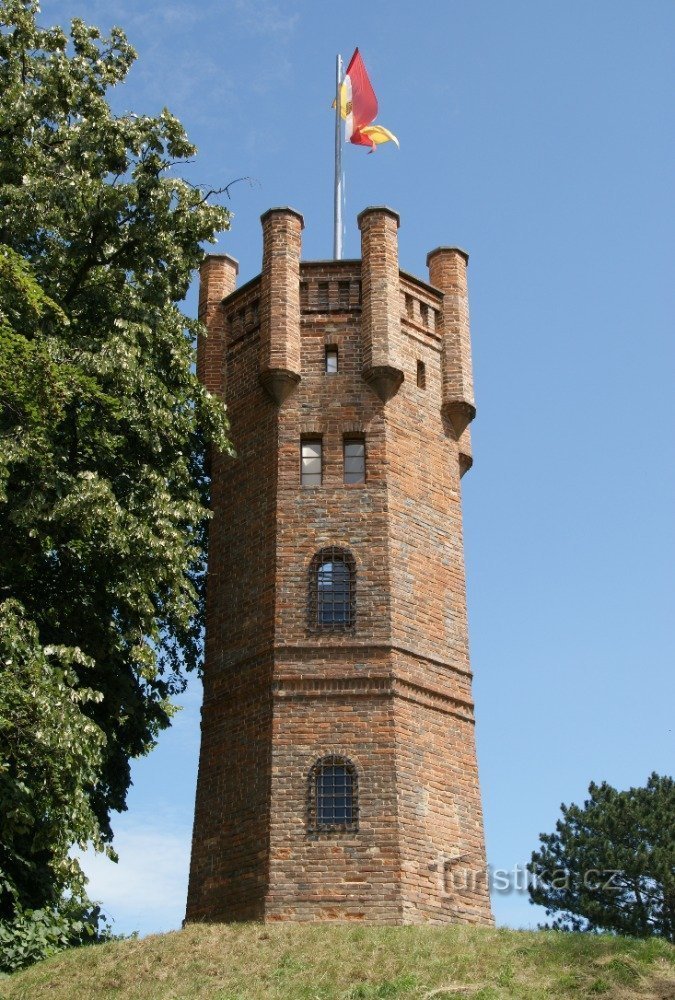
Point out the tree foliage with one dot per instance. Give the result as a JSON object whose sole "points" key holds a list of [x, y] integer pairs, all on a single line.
{"points": [[51, 755], [610, 865], [103, 433]]}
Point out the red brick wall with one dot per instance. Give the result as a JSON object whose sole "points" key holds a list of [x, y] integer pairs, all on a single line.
{"points": [[228, 878], [394, 693]]}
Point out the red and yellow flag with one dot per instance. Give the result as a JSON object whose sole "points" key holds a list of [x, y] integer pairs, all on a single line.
{"points": [[358, 107]]}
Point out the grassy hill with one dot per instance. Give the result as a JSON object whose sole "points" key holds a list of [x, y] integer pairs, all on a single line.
{"points": [[338, 962]]}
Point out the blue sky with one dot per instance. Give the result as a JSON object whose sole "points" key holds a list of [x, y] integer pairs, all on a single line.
{"points": [[538, 135]]}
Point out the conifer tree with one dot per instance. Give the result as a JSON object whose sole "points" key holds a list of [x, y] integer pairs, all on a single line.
{"points": [[610, 865]]}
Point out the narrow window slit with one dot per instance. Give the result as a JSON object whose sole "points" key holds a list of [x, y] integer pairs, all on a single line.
{"points": [[331, 360]]}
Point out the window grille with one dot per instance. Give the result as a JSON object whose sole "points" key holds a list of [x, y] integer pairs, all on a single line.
{"points": [[331, 360], [332, 591], [310, 463], [354, 460], [333, 796]]}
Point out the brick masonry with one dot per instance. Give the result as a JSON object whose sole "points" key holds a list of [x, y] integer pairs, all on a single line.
{"points": [[393, 694]]}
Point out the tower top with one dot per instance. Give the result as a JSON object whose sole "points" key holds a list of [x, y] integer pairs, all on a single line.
{"points": [[283, 210], [443, 249], [379, 210]]}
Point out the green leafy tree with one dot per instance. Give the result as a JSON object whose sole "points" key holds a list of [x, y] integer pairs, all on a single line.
{"points": [[50, 754], [104, 427], [610, 865]]}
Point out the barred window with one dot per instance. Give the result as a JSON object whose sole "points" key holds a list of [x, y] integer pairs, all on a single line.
{"points": [[332, 590], [333, 796]]}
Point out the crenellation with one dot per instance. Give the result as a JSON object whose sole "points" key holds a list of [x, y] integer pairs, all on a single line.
{"points": [[217, 279]]}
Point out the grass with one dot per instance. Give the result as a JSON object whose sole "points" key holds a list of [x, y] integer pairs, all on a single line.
{"points": [[338, 962]]}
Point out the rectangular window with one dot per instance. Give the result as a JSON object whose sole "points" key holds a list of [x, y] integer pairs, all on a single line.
{"points": [[310, 463], [331, 360], [421, 375], [355, 460]]}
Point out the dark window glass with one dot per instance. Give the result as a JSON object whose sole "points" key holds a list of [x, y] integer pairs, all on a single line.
{"points": [[332, 590], [333, 796]]}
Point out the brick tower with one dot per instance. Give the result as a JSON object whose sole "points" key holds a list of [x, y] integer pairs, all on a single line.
{"points": [[338, 776]]}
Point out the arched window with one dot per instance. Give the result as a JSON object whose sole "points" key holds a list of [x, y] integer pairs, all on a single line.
{"points": [[333, 796], [332, 590]]}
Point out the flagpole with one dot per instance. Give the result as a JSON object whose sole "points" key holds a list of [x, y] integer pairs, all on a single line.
{"points": [[337, 203]]}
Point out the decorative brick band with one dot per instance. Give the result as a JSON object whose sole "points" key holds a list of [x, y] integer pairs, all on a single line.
{"points": [[294, 686], [328, 650], [288, 686]]}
